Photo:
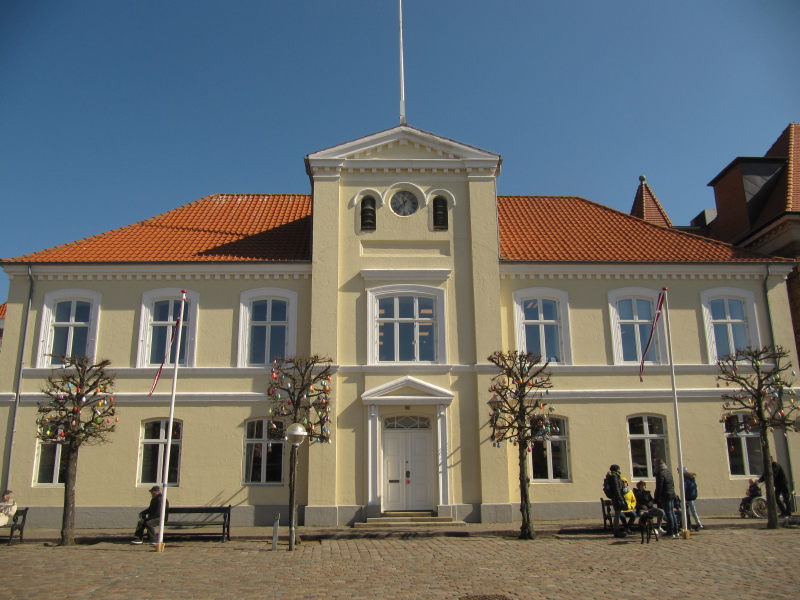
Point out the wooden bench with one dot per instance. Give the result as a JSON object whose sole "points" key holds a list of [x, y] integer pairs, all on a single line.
{"points": [[607, 509], [17, 523], [215, 516]]}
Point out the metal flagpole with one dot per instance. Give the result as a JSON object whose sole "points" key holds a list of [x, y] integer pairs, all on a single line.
{"points": [[402, 70], [685, 530], [165, 470]]}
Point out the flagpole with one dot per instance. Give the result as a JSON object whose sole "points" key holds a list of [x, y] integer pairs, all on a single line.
{"points": [[165, 470], [402, 69], [685, 530]]}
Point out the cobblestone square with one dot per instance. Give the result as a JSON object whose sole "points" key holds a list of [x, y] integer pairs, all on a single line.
{"points": [[724, 563]]}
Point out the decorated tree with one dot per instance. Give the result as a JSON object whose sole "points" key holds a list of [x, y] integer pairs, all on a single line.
{"points": [[763, 402], [300, 392], [79, 410], [519, 415]]}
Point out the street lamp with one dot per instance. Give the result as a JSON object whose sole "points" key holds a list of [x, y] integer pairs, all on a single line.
{"points": [[295, 434]]}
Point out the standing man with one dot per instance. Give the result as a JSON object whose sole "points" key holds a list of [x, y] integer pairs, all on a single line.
{"points": [[612, 488], [150, 516], [665, 495], [782, 496]]}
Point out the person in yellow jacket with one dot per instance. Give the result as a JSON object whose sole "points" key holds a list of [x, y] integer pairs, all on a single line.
{"points": [[628, 516]]}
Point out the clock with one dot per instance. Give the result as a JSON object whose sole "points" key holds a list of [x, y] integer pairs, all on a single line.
{"points": [[404, 203]]}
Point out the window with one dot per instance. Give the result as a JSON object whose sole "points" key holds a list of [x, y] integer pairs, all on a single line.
{"points": [[267, 326], [744, 447], [407, 324], [730, 320], [368, 213], [632, 313], [69, 325], [647, 438], [52, 464], [160, 309], [440, 213], [549, 457], [154, 445], [541, 323], [263, 453]]}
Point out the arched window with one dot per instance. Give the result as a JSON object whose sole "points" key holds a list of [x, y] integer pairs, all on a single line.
{"points": [[69, 325], [160, 311], [153, 451], [648, 441], [631, 311], [730, 320], [368, 213], [549, 458], [440, 213], [263, 451], [267, 325]]}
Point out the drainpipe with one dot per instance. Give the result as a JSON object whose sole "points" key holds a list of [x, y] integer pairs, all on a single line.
{"points": [[785, 438], [18, 386]]}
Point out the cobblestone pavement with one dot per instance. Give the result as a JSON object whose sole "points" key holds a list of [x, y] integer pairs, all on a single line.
{"points": [[724, 563]]}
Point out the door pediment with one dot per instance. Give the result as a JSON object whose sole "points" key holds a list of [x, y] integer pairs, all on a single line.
{"points": [[407, 390]]}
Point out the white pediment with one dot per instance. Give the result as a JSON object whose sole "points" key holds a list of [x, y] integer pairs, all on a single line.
{"points": [[404, 147], [407, 390]]}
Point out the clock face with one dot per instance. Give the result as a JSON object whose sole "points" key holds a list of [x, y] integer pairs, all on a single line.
{"points": [[404, 203]]}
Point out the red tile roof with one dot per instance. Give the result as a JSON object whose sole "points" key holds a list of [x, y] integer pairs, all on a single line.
{"points": [[646, 206], [3, 308], [570, 229], [786, 195], [218, 228], [262, 227]]}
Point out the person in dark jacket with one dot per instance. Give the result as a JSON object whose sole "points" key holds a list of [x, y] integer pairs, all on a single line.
{"points": [[150, 517], [690, 493], [613, 489], [665, 494], [646, 504], [782, 496]]}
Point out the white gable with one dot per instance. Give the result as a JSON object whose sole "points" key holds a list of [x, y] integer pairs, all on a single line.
{"points": [[407, 390]]}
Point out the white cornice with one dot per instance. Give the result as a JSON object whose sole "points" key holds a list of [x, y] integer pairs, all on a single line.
{"points": [[405, 274], [643, 271], [159, 272]]}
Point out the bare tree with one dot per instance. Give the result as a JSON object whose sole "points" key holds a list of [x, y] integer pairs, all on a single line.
{"points": [[518, 415], [79, 411], [300, 392], [759, 404]]}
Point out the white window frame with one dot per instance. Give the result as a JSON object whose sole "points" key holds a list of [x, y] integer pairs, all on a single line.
{"points": [[748, 301], [647, 437], [376, 293], [659, 342], [265, 443], [149, 298], [162, 445], [51, 299], [743, 435], [561, 299], [40, 444], [562, 437], [246, 300]]}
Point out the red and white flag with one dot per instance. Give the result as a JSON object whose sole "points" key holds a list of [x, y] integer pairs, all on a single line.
{"points": [[659, 308], [167, 351]]}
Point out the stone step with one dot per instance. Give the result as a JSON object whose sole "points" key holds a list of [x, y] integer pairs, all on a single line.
{"points": [[410, 520], [407, 513], [408, 524]]}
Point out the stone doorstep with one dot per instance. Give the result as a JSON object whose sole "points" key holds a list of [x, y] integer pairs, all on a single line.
{"points": [[409, 524], [410, 520]]}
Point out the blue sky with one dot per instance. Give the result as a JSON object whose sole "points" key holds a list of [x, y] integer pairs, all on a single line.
{"points": [[112, 111]]}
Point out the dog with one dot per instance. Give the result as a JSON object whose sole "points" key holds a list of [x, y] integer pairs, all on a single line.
{"points": [[646, 527]]}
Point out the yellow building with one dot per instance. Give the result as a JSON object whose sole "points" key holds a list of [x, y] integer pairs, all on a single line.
{"points": [[407, 269]]}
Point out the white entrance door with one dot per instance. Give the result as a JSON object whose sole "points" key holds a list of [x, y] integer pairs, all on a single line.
{"points": [[407, 464]]}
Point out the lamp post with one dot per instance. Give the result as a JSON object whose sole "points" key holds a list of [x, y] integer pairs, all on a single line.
{"points": [[295, 434]]}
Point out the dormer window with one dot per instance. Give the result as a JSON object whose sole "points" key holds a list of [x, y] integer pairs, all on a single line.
{"points": [[368, 214], [439, 213]]}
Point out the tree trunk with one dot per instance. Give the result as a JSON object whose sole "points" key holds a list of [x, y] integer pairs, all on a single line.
{"points": [[526, 530], [68, 514], [769, 483]]}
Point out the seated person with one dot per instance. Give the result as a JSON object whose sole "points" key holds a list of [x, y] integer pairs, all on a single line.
{"points": [[646, 505], [628, 516], [753, 491], [8, 507]]}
